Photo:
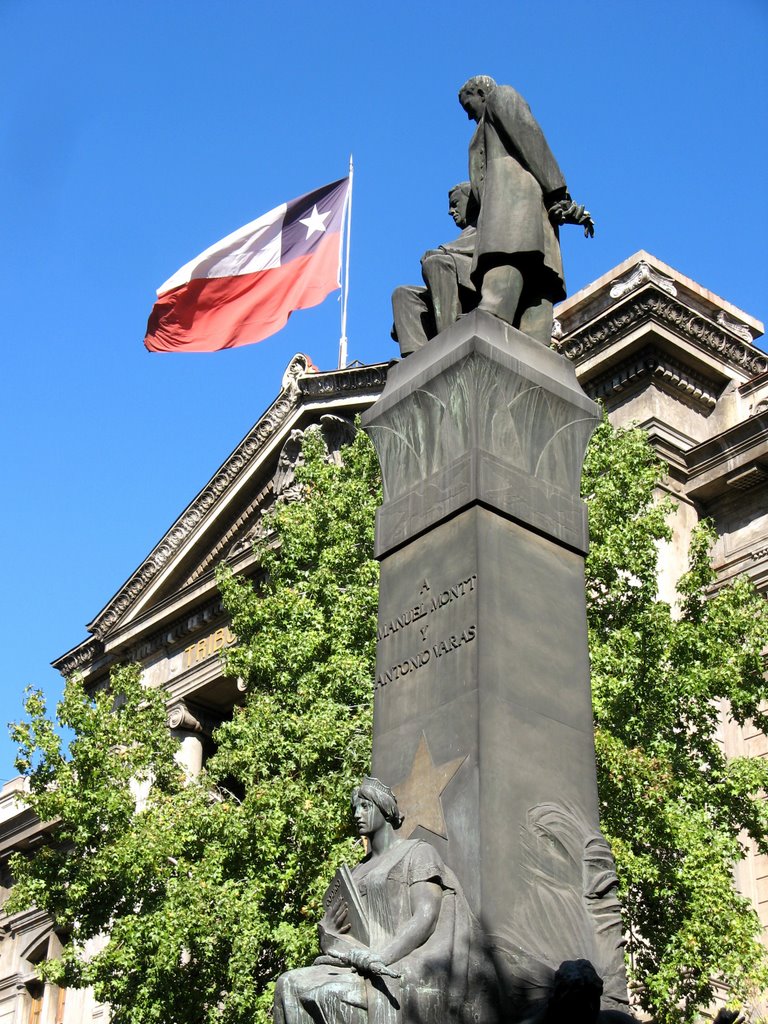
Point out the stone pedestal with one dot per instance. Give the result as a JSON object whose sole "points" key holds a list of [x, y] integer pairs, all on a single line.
{"points": [[483, 720]]}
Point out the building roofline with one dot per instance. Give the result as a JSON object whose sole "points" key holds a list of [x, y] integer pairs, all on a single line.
{"points": [[301, 378]]}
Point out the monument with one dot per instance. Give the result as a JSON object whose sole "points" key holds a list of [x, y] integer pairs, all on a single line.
{"points": [[422, 313], [482, 716]]}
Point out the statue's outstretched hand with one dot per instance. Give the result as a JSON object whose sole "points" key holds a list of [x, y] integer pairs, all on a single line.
{"points": [[565, 211]]}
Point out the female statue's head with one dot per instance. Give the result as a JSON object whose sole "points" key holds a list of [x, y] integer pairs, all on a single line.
{"points": [[371, 796]]}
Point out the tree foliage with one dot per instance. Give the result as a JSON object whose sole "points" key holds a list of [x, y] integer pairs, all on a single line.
{"points": [[672, 806], [207, 891], [211, 889]]}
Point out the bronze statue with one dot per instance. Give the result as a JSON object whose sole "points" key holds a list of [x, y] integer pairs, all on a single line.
{"points": [[395, 938], [522, 199], [421, 313], [575, 998]]}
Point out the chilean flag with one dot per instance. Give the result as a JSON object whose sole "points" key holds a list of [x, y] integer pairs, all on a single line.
{"points": [[244, 288]]}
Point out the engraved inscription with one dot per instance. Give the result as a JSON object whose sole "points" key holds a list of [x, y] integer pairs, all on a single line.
{"points": [[429, 603], [436, 637], [411, 664], [209, 645]]}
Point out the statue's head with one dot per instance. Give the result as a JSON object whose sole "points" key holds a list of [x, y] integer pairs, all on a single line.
{"points": [[473, 95], [576, 992], [458, 203], [370, 797]]}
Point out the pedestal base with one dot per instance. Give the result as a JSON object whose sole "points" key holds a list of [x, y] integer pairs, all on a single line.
{"points": [[483, 720]]}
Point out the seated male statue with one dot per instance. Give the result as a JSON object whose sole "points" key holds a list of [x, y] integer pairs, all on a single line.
{"points": [[421, 313]]}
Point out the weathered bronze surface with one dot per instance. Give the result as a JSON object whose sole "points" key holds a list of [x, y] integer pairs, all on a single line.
{"points": [[522, 199], [421, 313], [399, 943]]}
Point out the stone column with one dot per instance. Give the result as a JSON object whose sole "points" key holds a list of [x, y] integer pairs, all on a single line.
{"points": [[190, 726], [483, 720]]}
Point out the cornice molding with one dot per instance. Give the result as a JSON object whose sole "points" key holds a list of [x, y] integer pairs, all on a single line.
{"points": [[243, 520], [649, 304], [301, 380], [340, 382], [210, 612], [238, 462], [80, 657], [653, 363]]}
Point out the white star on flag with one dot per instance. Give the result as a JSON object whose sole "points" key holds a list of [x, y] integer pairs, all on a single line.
{"points": [[315, 221]]}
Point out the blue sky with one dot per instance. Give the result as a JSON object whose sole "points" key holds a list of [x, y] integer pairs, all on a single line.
{"points": [[133, 135]]}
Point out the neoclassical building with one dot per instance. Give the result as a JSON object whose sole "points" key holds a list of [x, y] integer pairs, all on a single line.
{"points": [[657, 348]]}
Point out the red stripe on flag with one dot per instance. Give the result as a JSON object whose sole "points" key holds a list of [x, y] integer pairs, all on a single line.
{"points": [[209, 314]]}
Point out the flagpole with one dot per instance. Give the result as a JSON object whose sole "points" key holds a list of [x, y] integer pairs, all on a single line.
{"points": [[345, 293]]}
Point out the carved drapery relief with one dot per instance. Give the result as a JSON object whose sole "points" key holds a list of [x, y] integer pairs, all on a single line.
{"points": [[571, 908]]}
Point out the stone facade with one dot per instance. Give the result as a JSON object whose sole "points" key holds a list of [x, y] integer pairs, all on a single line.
{"points": [[654, 346], [663, 352]]}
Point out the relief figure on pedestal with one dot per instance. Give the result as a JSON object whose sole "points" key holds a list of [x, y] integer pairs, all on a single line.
{"points": [[522, 199], [396, 938], [421, 313]]}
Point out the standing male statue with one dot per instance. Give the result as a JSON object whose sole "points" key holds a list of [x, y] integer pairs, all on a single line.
{"points": [[421, 313], [522, 198]]}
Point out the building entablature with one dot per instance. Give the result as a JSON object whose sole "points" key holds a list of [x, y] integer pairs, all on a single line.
{"points": [[734, 459], [646, 320]]}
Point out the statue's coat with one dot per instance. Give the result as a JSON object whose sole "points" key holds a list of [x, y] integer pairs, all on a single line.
{"points": [[513, 172]]}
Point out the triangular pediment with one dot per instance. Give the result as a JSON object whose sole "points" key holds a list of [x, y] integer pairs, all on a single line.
{"points": [[225, 518]]}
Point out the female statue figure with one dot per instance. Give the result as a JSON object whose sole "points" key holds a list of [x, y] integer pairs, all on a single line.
{"points": [[417, 965]]}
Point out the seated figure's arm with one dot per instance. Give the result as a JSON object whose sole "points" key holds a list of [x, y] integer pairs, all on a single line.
{"points": [[426, 898]]}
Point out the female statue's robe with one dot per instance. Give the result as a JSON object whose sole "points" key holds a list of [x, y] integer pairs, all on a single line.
{"points": [[435, 982]]}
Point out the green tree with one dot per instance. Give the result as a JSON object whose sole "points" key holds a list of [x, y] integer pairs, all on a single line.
{"points": [[211, 889], [672, 806]]}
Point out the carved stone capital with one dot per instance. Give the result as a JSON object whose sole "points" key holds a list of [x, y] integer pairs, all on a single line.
{"points": [[186, 717], [482, 415]]}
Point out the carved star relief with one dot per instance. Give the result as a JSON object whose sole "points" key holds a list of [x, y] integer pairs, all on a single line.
{"points": [[419, 796], [315, 222]]}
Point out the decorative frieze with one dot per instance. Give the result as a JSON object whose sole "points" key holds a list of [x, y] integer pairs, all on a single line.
{"points": [[653, 363], [339, 382], [692, 327]]}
